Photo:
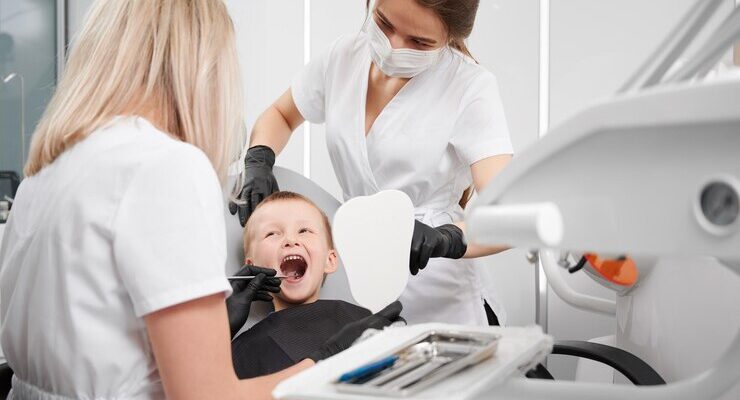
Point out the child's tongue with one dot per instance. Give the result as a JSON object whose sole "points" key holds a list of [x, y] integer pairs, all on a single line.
{"points": [[294, 269]]}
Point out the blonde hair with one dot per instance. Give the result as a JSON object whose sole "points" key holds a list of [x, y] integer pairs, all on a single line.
{"points": [[178, 56], [287, 196]]}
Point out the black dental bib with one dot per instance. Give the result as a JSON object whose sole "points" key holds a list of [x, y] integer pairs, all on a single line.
{"points": [[286, 337]]}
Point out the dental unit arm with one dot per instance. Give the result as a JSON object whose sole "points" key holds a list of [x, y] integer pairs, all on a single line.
{"points": [[663, 180], [644, 207]]}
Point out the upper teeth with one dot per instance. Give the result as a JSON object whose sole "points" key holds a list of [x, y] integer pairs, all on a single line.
{"points": [[289, 258]]}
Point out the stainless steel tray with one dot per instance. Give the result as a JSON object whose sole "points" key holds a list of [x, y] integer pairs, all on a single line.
{"points": [[422, 362]]}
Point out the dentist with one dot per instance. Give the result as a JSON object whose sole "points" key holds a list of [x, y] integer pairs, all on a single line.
{"points": [[406, 107]]}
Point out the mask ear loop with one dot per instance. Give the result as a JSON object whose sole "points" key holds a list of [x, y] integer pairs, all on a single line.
{"points": [[368, 15]]}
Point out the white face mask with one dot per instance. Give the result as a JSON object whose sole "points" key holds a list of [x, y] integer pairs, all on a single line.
{"points": [[398, 63]]}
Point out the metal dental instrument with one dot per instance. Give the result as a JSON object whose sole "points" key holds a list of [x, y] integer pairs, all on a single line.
{"points": [[247, 277]]}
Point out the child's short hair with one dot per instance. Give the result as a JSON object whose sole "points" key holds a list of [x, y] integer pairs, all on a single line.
{"points": [[285, 196]]}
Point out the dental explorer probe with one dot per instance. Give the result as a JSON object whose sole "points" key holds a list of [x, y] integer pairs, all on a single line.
{"points": [[236, 278]]}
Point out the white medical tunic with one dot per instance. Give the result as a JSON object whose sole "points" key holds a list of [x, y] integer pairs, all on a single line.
{"points": [[127, 222], [422, 143]]}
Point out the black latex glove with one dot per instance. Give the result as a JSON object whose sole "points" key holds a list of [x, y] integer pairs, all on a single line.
{"points": [[343, 339], [443, 241], [247, 291], [259, 181]]}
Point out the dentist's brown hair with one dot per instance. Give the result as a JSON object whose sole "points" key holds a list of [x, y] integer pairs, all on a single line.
{"points": [[458, 16]]}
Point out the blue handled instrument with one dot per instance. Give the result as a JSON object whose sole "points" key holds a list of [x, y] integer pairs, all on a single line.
{"points": [[369, 369]]}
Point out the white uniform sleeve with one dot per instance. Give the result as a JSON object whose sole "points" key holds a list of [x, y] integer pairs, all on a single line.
{"points": [[309, 87], [170, 240], [481, 130]]}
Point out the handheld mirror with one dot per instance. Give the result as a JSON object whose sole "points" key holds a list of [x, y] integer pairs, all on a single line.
{"points": [[372, 235]]}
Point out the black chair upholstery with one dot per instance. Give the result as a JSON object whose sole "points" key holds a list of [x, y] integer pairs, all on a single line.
{"points": [[632, 367], [5, 375]]}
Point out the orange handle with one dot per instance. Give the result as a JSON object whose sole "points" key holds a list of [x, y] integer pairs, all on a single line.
{"points": [[621, 271]]}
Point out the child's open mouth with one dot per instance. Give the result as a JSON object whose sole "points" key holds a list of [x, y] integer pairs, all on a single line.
{"points": [[293, 267]]}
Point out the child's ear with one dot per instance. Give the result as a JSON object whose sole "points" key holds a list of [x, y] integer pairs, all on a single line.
{"points": [[331, 262], [248, 261]]}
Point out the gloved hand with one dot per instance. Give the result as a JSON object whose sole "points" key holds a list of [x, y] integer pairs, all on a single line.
{"points": [[259, 181], [343, 339], [247, 291], [427, 242]]}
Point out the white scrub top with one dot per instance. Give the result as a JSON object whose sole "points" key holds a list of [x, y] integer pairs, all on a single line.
{"points": [[423, 143], [127, 222]]}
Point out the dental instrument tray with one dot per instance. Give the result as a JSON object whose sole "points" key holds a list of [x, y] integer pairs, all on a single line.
{"points": [[514, 350], [419, 363]]}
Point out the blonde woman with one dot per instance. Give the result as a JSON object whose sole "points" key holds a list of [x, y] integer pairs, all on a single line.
{"points": [[112, 266]]}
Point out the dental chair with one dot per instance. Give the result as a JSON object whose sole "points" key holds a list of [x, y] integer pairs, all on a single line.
{"points": [[6, 374], [9, 182], [637, 371]]}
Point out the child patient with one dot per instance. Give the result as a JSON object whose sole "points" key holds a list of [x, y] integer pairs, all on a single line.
{"points": [[289, 233]]}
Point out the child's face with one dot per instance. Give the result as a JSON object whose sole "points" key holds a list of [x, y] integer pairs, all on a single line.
{"points": [[290, 236]]}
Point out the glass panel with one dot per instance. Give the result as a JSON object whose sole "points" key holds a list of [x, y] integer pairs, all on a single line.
{"points": [[27, 75]]}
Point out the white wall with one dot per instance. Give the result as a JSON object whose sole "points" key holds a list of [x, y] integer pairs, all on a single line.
{"points": [[506, 41], [329, 20], [76, 10], [270, 44]]}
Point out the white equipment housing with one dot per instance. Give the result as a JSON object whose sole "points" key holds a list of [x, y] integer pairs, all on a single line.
{"points": [[627, 178], [653, 174]]}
